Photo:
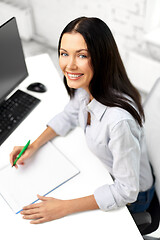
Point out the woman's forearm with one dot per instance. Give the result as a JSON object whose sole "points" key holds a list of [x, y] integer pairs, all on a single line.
{"points": [[47, 135], [81, 204]]}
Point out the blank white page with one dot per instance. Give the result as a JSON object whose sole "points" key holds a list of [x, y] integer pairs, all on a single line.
{"points": [[46, 170]]}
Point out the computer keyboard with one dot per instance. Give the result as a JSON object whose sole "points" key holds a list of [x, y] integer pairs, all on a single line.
{"points": [[13, 111]]}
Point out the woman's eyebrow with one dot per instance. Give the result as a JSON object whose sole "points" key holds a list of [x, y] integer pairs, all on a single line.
{"points": [[83, 49], [62, 49]]}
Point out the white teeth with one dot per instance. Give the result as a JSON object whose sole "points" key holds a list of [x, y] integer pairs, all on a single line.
{"points": [[73, 75]]}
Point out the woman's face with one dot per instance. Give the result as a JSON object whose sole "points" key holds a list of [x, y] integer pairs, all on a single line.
{"points": [[75, 61]]}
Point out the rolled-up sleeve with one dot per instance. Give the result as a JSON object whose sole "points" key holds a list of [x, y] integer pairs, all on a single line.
{"points": [[65, 121], [124, 145]]}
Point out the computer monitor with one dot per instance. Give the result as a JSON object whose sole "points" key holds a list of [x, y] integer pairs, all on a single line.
{"points": [[13, 68]]}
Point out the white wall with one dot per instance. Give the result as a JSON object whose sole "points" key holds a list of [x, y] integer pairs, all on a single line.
{"points": [[124, 17], [18, 2]]}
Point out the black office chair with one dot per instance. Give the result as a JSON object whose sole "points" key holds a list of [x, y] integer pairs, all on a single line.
{"points": [[148, 221]]}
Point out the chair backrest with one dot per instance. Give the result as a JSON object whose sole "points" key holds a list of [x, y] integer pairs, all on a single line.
{"points": [[152, 131]]}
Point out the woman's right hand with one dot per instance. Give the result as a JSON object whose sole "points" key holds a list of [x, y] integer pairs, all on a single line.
{"points": [[27, 154], [47, 135]]}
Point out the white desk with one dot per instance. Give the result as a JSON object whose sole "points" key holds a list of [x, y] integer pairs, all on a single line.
{"points": [[115, 225]]}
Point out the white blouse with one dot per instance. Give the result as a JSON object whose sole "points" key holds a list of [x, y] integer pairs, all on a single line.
{"points": [[117, 140]]}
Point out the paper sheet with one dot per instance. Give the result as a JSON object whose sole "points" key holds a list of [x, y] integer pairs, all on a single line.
{"points": [[46, 170]]}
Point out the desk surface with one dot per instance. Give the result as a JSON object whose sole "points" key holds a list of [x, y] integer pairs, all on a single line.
{"points": [[117, 224]]}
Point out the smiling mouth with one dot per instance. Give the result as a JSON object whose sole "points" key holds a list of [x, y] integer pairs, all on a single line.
{"points": [[73, 76]]}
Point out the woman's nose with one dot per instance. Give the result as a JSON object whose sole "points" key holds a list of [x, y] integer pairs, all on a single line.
{"points": [[71, 63]]}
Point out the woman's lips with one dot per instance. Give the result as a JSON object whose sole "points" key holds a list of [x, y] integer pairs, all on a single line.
{"points": [[74, 76]]}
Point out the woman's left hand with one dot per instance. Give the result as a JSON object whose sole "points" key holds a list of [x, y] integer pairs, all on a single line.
{"points": [[47, 210]]}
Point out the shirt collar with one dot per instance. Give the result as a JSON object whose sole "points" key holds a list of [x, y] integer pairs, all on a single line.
{"points": [[97, 108], [83, 94], [94, 107]]}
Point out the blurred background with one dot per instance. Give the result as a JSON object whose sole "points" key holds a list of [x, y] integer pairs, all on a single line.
{"points": [[135, 25]]}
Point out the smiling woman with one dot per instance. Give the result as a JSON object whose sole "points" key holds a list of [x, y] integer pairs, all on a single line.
{"points": [[108, 108]]}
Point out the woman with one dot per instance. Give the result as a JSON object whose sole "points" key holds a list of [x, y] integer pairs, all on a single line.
{"points": [[107, 106]]}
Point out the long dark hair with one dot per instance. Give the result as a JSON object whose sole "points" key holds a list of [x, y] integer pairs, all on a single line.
{"points": [[110, 82]]}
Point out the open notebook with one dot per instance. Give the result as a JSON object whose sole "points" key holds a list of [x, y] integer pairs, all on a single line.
{"points": [[46, 170]]}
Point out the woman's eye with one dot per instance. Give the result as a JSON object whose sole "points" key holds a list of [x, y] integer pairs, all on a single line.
{"points": [[64, 54], [82, 56]]}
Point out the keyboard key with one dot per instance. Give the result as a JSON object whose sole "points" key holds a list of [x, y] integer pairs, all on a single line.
{"points": [[13, 111]]}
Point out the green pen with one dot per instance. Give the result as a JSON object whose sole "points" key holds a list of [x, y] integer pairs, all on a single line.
{"points": [[20, 154]]}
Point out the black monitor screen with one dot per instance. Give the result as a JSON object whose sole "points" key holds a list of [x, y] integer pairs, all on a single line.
{"points": [[12, 63]]}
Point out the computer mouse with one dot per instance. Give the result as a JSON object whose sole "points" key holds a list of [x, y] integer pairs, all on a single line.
{"points": [[37, 87]]}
